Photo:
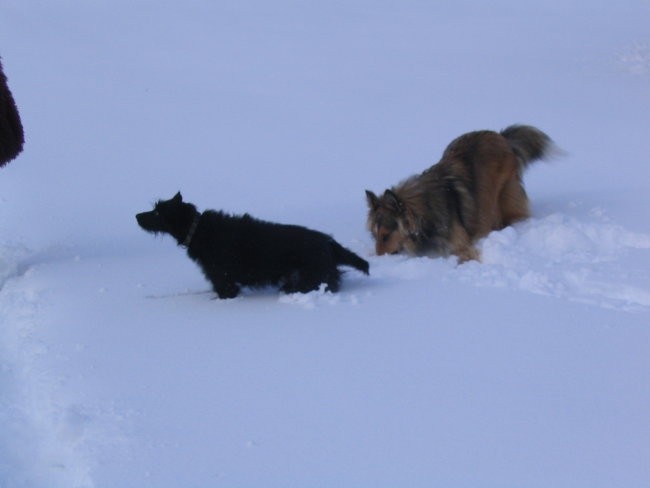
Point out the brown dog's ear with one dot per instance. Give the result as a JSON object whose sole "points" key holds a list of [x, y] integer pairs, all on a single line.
{"points": [[373, 200], [393, 201]]}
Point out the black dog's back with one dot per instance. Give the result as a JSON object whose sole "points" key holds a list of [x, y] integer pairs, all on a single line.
{"points": [[258, 253], [236, 251]]}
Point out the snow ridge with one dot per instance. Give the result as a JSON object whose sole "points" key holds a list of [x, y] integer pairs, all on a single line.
{"points": [[48, 434]]}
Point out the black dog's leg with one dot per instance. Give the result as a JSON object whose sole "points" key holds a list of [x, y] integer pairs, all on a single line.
{"points": [[332, 280], [227, 290], [224, 287], [308, 279]]}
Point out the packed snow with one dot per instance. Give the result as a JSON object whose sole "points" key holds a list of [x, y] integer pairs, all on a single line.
{"points": [[119, 368]]}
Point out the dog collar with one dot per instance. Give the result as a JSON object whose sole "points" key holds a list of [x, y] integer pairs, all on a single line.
{"points": [[190, 234]]}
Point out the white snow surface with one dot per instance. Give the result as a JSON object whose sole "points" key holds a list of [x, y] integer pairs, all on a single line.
{"points": [[119, 368]]}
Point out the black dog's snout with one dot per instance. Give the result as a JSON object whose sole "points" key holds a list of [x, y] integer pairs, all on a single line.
{"points": [[149, 221], [140, 217]]}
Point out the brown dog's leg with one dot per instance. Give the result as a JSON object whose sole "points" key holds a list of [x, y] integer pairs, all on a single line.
{"points": [[513, 202], [491, 176], [460, 244]]}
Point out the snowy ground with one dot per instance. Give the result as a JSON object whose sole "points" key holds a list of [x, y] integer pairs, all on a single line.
{"points": [[118, 368]]}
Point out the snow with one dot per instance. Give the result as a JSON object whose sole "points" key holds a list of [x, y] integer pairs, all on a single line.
{"points": [[119, 368]]}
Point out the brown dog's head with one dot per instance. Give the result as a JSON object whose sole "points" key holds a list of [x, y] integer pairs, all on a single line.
{"points": [[386, 222]]}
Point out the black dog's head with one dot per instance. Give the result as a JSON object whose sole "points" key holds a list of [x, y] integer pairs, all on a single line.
{"points": [[171, 216]]}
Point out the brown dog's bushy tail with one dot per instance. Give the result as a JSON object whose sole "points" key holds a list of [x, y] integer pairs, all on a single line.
{"points": [[346, 257], [528, 143], [11, 128]]}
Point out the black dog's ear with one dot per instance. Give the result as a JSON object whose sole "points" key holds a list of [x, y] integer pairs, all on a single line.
{"points": [[178, 198], [393, 201], [373, 200]]}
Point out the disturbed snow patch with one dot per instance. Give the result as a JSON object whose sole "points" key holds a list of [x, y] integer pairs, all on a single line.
{"points": [[317, 298], [46, 435], [589, 262], [49, 433]]}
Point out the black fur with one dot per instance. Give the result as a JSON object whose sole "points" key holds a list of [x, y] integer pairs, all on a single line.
{"points": [[11, 128], [235, 251]]}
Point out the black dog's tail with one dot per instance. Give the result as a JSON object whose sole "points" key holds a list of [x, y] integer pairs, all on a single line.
{"points": [[528, 143], [346, 257]]}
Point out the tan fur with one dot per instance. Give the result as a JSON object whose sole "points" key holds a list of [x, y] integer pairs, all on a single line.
{"points": [[475, 188]]}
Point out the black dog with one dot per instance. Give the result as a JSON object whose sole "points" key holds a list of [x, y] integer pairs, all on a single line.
{"points": [[236, 251]]}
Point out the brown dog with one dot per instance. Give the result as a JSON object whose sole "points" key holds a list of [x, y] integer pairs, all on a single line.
{"points": [[475, 188]]}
